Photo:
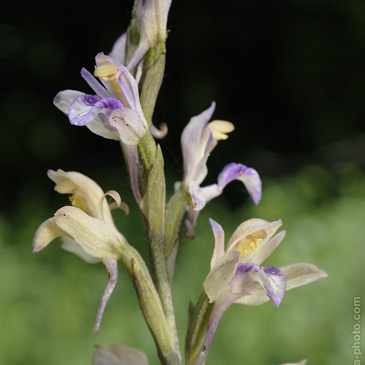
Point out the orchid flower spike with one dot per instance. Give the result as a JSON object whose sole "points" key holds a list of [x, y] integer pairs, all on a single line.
{"points": [[198, 139], [236, 275], [86, 228]]}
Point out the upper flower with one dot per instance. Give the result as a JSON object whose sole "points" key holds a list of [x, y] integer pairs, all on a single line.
{"points": [[198, 139], [115, 111], [86, 228]]}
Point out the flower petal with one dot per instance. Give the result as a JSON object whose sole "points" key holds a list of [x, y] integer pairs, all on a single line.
{"points": [[118, 50], [194, 153], [86, 193], [219, 277], [127, 125], [219, 242], [247, 175], [68, 244], [271, 278], [46, 233], [94, 84], [92, 234], [248, 228], [267, 247], [296, 275], [64, 99], [302, 274], [86, 108]]}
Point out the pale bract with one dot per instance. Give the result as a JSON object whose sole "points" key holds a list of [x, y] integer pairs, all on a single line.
{"points": [[86, 228]]}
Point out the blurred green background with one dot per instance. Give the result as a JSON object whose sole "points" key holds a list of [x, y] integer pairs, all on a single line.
{"points": [[289, 74]]}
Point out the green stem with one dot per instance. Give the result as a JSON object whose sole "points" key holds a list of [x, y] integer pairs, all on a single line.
{"points": [[150, 305], [199, 319], [153, 209], [175, 212]]}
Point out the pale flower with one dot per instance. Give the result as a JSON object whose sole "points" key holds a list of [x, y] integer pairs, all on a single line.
{"points": [[86, 228], [237, 277], [198, 139]]}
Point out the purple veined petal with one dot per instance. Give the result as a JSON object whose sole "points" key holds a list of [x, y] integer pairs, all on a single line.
{"points": [[94, 84], [126, 82], [248, 275], [64, 99], [276, 284], [218, 233], [85, 108], [247, 175]]}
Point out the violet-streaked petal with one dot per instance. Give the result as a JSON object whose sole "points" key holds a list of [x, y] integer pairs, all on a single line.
{"points": [[271, 278], [86, 108], [94, 84], [125, 80], [296, 275], [247, 175], [64, 99], [218, 242], [126, 83]]}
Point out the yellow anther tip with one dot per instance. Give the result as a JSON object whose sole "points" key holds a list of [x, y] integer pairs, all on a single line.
{"points": [[106, 71], [219, 129]]}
